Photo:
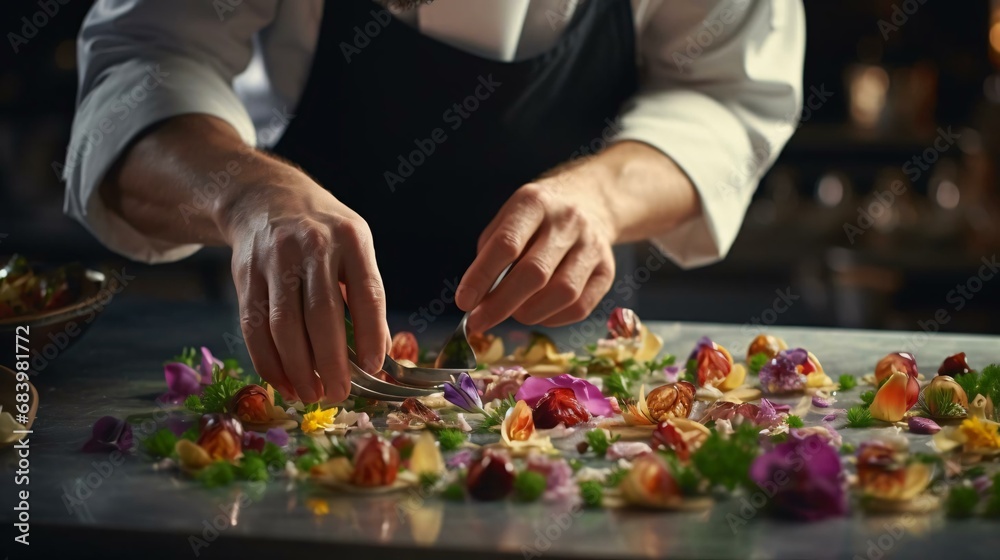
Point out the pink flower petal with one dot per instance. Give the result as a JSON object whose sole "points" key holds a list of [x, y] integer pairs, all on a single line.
{"points": [[589, 396], [182, 380], [207, 363]]}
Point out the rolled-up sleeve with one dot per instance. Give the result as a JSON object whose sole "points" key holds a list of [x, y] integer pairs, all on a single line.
{"points": [[143, 61], [721, 90]]}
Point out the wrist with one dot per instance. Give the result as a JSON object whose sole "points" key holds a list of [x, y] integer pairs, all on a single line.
{"points": [[254, 178], [645, 192]]}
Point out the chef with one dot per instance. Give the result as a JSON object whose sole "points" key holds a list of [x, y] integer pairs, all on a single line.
{"points": [[404, 153]]}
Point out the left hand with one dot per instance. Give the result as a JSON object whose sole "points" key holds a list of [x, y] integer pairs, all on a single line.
{"points": [[560, 231]]}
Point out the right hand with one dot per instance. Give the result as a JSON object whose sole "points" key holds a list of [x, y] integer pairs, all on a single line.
{"points": [[298, 254]]}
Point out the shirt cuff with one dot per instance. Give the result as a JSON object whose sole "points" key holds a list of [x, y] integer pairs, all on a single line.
{"points": [[711, 146], [131, 97]]}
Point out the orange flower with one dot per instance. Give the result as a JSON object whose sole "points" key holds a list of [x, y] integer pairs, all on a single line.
{"points": [[893, 399], [376, 463], [221, 437], [520, 426], [650, 484]]}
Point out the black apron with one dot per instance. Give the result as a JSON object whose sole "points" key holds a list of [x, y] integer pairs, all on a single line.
{"points": [[426, 142]]}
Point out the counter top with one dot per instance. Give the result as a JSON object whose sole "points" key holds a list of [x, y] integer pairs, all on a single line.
{"points": [[85, 503]]}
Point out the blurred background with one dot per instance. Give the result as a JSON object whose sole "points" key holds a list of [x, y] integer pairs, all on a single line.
{"points": [[883, 204]]}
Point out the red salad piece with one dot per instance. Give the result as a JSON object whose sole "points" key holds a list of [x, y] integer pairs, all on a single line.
{"points": [[954, 365], [559, 405]]}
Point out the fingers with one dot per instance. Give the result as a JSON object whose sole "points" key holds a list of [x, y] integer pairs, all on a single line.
{"points": [[324, 315], [252, 292], [366, 299], [530, 275], [287, 320], [597, 285], [565, 287], [503, 241]]}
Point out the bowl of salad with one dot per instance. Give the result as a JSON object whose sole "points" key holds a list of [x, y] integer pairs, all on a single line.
{"points": [[47, 308]]}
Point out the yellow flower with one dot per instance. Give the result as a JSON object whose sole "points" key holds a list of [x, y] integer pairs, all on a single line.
{"points": [[318, 420], [979, 434], [317, 506]]}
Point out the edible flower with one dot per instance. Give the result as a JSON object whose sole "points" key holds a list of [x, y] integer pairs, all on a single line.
{"points": [[319, 420], [518, 429], [980, 434], [886, 472], [221, 437], [376, 463], [109, 434], [506, 382], [628, 339], [182, 382], [902, 361], [488, 348], [893, 399], [680, 435], [650, 484], [559, 483], [464, 394], [815, 488], [425, 457], [534, 388], [785, 373], [715, 366]]}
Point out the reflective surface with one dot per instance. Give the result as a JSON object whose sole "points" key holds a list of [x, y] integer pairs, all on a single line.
{"points": [[85, 503]]}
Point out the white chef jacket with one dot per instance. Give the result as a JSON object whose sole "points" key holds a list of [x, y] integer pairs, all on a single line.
{"points": [[720, 88]]}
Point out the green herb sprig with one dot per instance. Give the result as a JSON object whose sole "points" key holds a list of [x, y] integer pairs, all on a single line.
{"points": [[859, 417]]}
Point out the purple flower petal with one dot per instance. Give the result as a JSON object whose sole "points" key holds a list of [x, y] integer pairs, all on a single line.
{"points": [[589, 396], [461, 459], [820, 402], [277, 436], [207, 364], [464, 394], [558, 475], [182, 381], [779, 375], [921, 425], [109, 434], [767, 415], [672, 373], [830, 417], [813, 486]]}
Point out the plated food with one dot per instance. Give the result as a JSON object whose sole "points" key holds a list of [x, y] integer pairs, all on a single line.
{"points": [[621, 425]]}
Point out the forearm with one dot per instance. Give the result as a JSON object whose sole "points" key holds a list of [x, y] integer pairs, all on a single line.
{"points": [[178, 181], [645, 193]]}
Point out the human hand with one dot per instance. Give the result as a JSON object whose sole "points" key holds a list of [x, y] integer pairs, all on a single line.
{"points": [[560, 232], [298, 254]]}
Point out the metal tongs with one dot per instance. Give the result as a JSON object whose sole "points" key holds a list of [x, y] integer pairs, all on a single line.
{"points": [[455, 357]]}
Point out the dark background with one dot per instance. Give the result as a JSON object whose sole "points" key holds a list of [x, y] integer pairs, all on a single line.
{"points": [[889, 96]]}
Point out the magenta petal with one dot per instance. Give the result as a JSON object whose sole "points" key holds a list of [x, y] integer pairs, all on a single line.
{"points": [[277, 436], [109, 434], [815, 488], [208, 362], [182, 380], [589, 396]]}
